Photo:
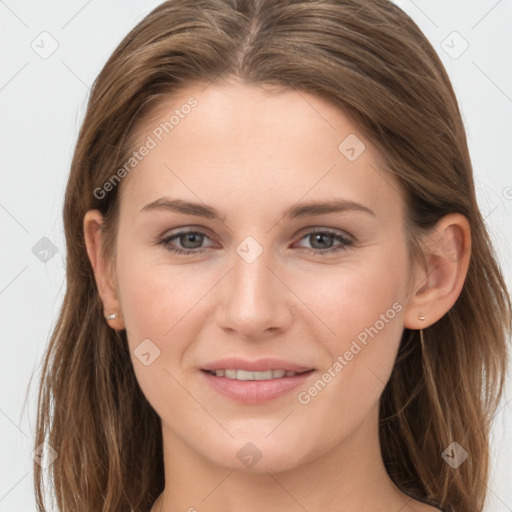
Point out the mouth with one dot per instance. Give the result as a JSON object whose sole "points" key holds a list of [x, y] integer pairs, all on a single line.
{"points": [[253, 387], [245, 375]]}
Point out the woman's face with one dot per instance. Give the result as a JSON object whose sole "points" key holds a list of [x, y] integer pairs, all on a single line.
{"points": [[252, 288]]}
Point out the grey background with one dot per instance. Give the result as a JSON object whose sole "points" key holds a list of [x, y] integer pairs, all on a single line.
{"points": [[42, 100]]}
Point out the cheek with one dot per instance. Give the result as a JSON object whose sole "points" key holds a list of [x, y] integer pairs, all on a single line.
{"points": [[369, 304], [161, 303], [364, 308], [156, 297], [361, 309], [354, 298]]}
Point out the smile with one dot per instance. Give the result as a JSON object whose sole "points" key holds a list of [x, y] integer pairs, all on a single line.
{"points": [[248, 375]]}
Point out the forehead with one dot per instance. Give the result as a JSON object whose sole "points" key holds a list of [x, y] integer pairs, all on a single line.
{"points": [[267, 147]]}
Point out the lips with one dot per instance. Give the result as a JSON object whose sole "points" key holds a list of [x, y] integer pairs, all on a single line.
{"points": [[255, 382], [260, 365]]}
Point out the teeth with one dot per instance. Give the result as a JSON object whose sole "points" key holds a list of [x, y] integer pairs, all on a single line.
{"points": [[247, 375]]}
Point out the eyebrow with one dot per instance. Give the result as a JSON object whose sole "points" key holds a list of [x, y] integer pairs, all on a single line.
{"points": [[294, 211]]}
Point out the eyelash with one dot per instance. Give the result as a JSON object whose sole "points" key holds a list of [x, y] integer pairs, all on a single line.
{"points": [[344, 240]]}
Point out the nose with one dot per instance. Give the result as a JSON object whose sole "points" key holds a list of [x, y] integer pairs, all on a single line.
{"points": [[255, 301]]}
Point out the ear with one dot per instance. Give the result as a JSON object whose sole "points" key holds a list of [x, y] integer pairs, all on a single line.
{"points": [[447, 250], [93, 221]]}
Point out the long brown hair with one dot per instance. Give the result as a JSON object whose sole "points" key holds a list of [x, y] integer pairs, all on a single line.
{"points": [[373, 62]]}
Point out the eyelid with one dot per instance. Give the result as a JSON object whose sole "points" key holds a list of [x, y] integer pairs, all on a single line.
{"points": [[311, 230], [187, 229]]}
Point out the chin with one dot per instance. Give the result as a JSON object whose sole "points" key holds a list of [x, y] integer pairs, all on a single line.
{"points": [[259, 455]]}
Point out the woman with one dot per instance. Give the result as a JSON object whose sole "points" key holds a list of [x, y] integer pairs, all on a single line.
{"points": [[281, 294]]}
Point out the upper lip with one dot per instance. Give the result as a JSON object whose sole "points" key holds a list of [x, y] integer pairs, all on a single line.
{"points": [[260, 365]]}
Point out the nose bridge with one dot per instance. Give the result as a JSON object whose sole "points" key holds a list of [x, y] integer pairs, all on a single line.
{"points": [[251, 278], [253, 299]]}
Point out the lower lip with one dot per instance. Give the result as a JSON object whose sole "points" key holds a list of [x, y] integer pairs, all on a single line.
{"points": [[255, 391]]}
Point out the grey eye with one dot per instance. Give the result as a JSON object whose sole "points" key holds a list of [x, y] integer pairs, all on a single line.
{"points": [[324, 240], [191, 240]]}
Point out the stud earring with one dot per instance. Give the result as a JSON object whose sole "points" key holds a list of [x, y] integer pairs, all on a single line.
{"points": [[113, 316], [421, 318]]}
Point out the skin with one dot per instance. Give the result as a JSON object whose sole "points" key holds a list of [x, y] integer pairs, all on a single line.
{"points": [[252, 152]]}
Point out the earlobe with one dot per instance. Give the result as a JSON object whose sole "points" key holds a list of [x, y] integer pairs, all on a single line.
{"points": [[93, 221], [437, 285]]}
